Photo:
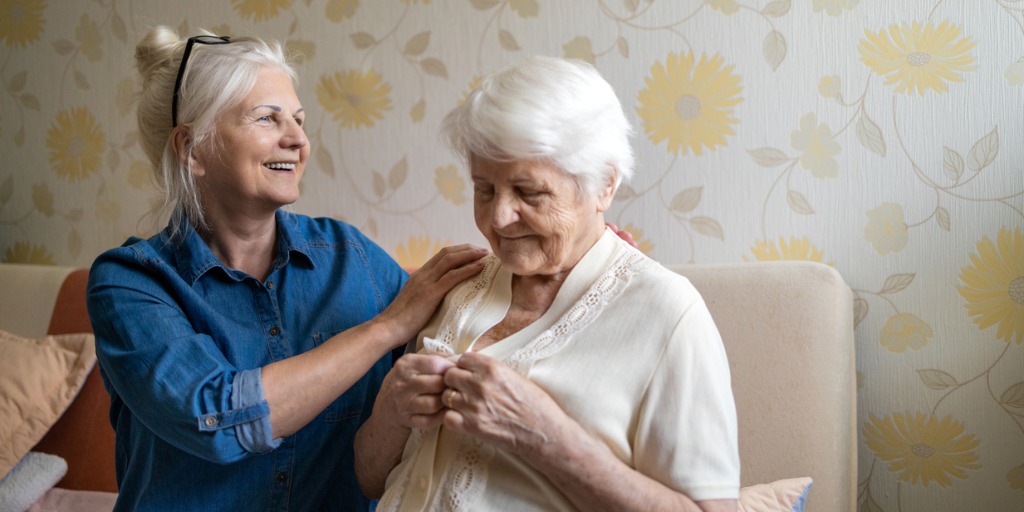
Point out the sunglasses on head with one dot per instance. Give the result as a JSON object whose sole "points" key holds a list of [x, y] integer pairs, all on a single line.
{"points": [[184, 62]]}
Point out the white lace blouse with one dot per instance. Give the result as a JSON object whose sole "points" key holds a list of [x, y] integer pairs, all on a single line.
{"points": [[628, 349]]}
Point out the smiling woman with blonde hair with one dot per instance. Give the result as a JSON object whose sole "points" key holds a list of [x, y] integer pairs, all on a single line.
{"points": [[573, 373], [243, 345]]}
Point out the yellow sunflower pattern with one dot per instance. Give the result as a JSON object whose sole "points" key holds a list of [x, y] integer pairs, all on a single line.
{"points": [[21, 21], [993, 285], [76, 144], [25, 252], [918, 57], [689, 103], [259, 10], [354, 98], [792, 249], [922, 449], [417, 250], [645, 246]]}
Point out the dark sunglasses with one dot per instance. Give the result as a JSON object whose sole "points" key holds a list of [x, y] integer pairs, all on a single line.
{"points": [[184, 62]]}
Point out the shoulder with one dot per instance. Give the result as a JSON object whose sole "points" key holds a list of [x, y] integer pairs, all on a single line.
{"points": [[336, 244], [135, 252], [660, 292]]}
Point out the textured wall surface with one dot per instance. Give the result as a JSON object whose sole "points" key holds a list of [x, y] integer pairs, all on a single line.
{"points": [[878, 136]]}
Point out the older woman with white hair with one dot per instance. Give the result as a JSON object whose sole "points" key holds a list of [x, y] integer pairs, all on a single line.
{"points": [[243, 345], [572, 373]]}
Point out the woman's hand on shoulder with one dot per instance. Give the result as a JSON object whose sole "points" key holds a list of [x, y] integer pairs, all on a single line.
{"points": [[427, 287]]}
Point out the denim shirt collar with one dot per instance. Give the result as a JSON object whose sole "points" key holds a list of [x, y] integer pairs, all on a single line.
{"points": [[194, 257]]}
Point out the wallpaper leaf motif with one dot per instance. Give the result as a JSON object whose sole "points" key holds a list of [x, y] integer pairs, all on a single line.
{"points": [[937, 379], [870, 135], [508, 41], [1013, 396], [417, 44], [707, 227], [798, 203], [896, 283], [686, 200], [777, 8], [436, 67], [769, 157], [952, 164], [363, 40], [984, 152], [774, 48]]}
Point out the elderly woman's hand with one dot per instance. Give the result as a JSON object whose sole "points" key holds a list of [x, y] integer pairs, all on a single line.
{"points": [[411, 393], [488, 400], [426, 288]]}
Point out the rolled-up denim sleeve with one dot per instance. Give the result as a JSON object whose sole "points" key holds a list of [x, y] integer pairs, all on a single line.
{"points": [[172, 379], [249, 414]]}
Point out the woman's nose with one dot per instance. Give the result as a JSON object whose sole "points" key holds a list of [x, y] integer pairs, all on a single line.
{"points": [[295, 136], [504, 211]]}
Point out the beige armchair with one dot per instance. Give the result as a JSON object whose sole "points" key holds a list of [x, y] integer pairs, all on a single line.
{"points": [[788, 333]]}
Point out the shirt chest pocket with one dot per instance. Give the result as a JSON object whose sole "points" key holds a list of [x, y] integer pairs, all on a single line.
{"points": [[349, 406]]}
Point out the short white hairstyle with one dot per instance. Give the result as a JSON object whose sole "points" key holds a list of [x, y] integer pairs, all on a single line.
{"points": [[546, 108], [217, 78]]}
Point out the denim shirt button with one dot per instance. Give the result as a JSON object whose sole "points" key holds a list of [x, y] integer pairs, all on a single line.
{"points": [[281, 476], [274, 331], [210, 421], [270, 285]]}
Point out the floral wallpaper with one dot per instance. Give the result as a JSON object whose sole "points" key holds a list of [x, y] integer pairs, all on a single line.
{"points": [[881, 137]]}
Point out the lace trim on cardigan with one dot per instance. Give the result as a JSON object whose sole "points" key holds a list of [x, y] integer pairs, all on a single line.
{"points": [[465, 479]]}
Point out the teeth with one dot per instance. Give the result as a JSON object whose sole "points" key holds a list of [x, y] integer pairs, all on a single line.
{"points": [[281, 166]]}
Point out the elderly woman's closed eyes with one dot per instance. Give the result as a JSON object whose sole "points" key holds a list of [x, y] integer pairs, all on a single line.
{"points": [[573, 373]]}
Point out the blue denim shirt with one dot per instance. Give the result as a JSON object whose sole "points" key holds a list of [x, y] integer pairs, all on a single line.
{"points": [[181, 339]]}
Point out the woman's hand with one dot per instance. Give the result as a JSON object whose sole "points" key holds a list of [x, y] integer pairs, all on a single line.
{"points": [[426, 287], [410, 396], [488, 400]]}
